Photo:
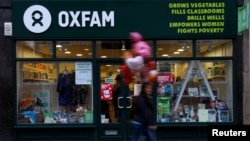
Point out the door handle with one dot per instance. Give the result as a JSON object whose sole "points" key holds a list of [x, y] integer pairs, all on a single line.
{"points": [[129, 98], [118, 102]]}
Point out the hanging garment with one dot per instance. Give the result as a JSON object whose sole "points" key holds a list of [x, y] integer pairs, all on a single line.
{"points": [[79, 95], [64, 88]]}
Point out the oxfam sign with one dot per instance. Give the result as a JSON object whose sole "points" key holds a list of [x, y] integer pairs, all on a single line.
{"points": [[114, 20], [37, 19]]}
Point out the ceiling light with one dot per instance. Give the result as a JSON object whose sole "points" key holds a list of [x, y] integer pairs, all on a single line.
{"points": [[123, 46], [160, 49], [58, 46], [180, 50], [78, 54], [103, 56], [164, 55], [67, 52], [176, 52], [86, 49]]}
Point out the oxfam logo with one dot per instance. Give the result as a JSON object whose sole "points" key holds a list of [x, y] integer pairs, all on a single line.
{"points": [[37, 19]]}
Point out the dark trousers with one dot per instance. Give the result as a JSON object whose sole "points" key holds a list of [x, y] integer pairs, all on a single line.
{"points": [[142, 133]]}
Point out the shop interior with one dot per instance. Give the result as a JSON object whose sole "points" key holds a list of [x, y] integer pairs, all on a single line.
{"points": [[40, 78]]}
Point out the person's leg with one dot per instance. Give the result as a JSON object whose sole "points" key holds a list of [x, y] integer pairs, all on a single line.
{"points": [[151, 135], [138, 131]]}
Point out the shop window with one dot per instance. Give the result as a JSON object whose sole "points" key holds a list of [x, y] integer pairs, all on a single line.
{"points": [[114, 49], [214, 48], [74, 49], [174, 48], [34, 49], [54, 92], [194, 91]]}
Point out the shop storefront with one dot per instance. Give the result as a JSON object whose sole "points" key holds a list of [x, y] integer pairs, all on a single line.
{"points": [[68, 56]]}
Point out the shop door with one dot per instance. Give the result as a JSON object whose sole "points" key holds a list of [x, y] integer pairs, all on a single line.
{"points": [[116, 111]]}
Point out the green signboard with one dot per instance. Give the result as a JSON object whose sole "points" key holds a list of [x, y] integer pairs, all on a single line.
{"points": [[163, 105], [155, 19], [243, 16], [109, 80]]}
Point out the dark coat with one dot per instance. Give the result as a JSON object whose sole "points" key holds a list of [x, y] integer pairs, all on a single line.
{"points": [[144, 109], [64, 88]]}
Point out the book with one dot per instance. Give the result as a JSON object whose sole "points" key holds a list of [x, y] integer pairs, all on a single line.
{"points": [[201, 106], [193, 91], [163, 105], [186, 109], [203, 115], [223, 115], [203, 90], [212, 113], [168, 89]]}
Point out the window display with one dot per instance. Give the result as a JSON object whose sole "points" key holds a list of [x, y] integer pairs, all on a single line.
{"points": [[57, 91], [48, 93], [190, 92]]}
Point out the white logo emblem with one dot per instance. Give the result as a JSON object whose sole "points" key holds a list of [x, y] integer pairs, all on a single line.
{"points": [[37, 19]]}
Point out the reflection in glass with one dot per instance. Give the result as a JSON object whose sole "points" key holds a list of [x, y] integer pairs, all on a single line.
{"points": [[214, 48], [47, 93], [113, 49], [74, 49], [174, 48], [34, 49]]}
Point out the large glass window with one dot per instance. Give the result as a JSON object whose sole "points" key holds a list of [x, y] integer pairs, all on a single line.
{"points": [[54, 92], [184, 48], [214, 48], [113, 49], [194, 91], [34, 49], [74, 49], [174, 48]]}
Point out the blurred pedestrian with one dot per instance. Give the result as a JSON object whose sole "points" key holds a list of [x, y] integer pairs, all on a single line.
{"points": [[144, 126]]}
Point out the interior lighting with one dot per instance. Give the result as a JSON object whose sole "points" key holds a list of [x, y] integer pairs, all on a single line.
{"points": [[58, 46], [180, 50], [78, 54], [67, 52], [123, 46], [164, 55]]}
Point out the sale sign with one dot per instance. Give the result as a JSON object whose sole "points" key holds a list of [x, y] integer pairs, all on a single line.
{"points": [[165, 77], [106, 91], [165, 84]]}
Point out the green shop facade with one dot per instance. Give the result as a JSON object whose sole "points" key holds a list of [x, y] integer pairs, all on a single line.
{"points": [[68, 54]]}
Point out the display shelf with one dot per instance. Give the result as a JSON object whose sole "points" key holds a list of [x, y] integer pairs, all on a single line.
{"points": [[35, 73], [190, 75]]}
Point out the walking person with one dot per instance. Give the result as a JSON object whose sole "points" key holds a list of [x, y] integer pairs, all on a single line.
{"points": [[143, 123]]}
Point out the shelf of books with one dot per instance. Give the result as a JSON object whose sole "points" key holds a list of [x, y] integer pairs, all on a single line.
{"points": [[182, 102]]}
